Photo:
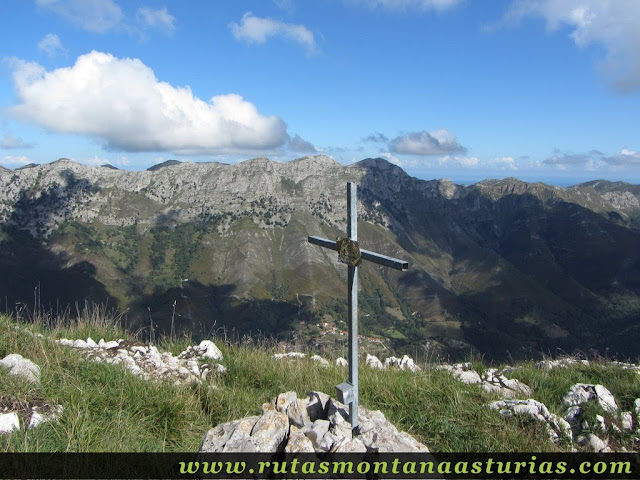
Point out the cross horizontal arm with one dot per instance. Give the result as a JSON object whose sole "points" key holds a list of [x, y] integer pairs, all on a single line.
{"points": [[366, 254]]}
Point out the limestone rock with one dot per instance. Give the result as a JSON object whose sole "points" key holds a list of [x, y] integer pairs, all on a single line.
{"points": [[45, 414], [342, 362], [298, 442], [317, 405], [297, 412], [323, 427], [320, 360], [316, 431], [492, 380], [581, 393], [21, 367], [560, 363], [9, 422], [374, 362], [284, 400], [270, 431], [289, 355], [557, 428], [593, 443], [404, 363], [147, 362], [230, 433], [207, 350], [626, 419]]}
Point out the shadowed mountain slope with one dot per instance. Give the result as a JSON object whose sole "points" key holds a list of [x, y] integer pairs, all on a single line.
{"points": [[502, 267]]}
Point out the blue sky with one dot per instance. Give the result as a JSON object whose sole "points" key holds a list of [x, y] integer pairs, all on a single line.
{"points": [[543, 90]]}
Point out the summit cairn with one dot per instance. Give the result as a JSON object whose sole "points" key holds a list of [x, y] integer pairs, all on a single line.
{"points": [[316, 424]]}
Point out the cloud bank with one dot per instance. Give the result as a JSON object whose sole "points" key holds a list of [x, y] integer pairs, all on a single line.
{"points": [[121, 102], [9, 142], [612, 24], [594, 159], [440, 142]]}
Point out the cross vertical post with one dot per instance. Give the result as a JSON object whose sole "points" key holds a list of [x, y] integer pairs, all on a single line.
{"points": [[349, 252], [352, 233]]}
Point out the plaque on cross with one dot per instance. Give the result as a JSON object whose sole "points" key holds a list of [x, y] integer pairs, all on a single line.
{"points": [[350, 253]]}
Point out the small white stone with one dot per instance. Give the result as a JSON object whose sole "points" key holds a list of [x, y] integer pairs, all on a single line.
{"points": [[209, 350], [38, 418], [320, 360], [21, 367], [9, 422], [374, 362], [281, 356], [342, 362], [91, 343], [80, 344], [468, 376]]}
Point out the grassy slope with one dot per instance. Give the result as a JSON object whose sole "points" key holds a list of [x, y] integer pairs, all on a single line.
{"points": [[108, 409]]}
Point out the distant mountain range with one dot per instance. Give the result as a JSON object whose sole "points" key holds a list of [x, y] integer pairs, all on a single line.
{"points": [[502, 267]]}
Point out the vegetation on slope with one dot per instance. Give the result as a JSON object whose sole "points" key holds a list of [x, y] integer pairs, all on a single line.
{"points": [[106, 408]]}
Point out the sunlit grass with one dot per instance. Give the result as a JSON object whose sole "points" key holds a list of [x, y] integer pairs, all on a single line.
{"points": [[106, 408]]}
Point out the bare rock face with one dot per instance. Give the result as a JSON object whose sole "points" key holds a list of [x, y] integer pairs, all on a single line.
{"points": [[317, 423]]}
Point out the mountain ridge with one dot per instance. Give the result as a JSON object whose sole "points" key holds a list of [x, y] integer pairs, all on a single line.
{"points": [[501, 266]]}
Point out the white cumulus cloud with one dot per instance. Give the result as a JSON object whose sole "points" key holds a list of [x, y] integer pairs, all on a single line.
{"points": [[92, 15], [254, 29], [123, 103], [426, 143], [612, 24]]}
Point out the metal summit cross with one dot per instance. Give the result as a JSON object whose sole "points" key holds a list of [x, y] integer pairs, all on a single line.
{"points": [[349, 252]]}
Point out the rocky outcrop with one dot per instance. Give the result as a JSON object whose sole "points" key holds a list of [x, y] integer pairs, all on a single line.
{"points": [[297, 355], [574, 428], [557, 428], [491, 380], [15, 413], [317, 423], [191, 366], [404, 363], [564, 362]]}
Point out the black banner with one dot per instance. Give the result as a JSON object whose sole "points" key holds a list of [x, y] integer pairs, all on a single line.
{"points": [[334, 466]]}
